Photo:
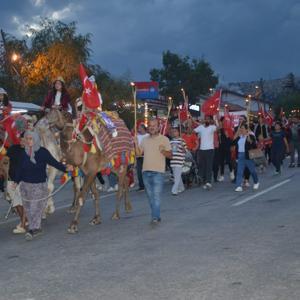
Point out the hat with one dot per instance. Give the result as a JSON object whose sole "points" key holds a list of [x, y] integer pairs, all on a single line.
{"points": [[59, 78], [3, 91]]}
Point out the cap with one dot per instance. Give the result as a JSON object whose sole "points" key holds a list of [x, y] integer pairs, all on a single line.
{"points": [[3, 91]]}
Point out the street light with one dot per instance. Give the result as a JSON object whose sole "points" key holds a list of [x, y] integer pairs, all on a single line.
{"points": [[134, 103], [15, 57]]}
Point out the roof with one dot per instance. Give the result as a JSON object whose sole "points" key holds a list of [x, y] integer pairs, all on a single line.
{"points": [[21, 106]]}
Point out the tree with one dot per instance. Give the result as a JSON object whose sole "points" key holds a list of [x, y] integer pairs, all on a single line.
{"points": [[55, 49], [288, 102], [194, 75]]}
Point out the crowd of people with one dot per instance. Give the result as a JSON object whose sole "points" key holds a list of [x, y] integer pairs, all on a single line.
{"points": [[195, 153], [248, 152]]}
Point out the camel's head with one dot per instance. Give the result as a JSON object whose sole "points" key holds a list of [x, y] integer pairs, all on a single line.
{"points": [[55, 118]]}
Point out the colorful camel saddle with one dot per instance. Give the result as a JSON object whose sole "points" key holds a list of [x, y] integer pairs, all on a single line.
{"points": [[111, 136]]}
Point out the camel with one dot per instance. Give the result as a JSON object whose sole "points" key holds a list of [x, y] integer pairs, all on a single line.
{"points": [[90, 164]]}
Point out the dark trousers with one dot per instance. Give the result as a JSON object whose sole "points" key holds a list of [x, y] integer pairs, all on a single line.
{"points": [[225, 158], [277, 158], [216, 163], [205, 164], [139, 168], [268, 153], [100, 178]]}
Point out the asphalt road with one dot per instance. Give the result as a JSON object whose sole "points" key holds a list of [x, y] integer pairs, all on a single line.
{"points": [[215, 244]]}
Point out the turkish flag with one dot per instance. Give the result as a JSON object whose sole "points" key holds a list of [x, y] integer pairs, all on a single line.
{"points": [[90, 95], [184, 113], [267, 117], [228, 124], [211, 105]]}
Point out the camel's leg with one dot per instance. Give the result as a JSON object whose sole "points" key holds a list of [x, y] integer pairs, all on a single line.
{"points": [[73, 228], [122, 175], [76, 190], [97, 218], [50, 208], [128, 206]]}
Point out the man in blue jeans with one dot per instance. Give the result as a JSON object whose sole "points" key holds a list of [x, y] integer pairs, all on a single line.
{"points": [[156, 149]]}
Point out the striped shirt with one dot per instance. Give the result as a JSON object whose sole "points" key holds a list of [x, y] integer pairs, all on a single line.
{"points": [[178, 147]]}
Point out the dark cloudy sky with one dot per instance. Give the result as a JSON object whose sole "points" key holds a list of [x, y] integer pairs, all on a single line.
{"points": [[242, 39]]}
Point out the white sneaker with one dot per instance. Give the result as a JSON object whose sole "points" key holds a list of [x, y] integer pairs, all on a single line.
{"points": [[239, 189], [256, 186], [208, 185], [99, 187], [221, 178], [232, 175], [111, 189], [19, 230], [116, 187]]}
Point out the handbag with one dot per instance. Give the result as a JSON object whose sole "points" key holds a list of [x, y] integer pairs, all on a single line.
{"points": [[256, 153]]}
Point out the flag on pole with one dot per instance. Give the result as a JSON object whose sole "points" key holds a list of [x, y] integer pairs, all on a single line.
{"points": [[228, 124], [184, 110], [90, 95], [146, 90], [267, 117], [212, 104]]}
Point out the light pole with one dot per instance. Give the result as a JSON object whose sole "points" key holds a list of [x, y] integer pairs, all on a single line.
{"points": [[133, 87]]}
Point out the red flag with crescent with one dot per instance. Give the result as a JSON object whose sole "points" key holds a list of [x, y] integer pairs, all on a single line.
{"points": [[90, 96]]}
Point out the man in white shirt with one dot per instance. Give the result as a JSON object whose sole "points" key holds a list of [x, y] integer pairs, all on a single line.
{"points": [[205, 157], [142, 133]]}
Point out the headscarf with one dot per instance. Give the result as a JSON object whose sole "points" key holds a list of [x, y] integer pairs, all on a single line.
{"points": [[30, 151]]}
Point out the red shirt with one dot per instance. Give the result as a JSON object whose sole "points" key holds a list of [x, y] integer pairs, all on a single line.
{"points": [[191, 140]]}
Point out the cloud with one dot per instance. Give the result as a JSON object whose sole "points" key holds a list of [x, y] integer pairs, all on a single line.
{"points": [[38, 3], [243, 40]]}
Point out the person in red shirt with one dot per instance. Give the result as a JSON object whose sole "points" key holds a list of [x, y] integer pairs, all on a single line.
{"points": [[58, 96], [191, 139]]}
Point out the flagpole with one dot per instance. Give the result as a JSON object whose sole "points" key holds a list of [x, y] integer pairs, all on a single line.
{"points": [[170, 104], [134, 104], [248, 103]]}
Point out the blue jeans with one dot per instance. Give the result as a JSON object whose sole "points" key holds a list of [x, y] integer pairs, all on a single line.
{"points": [[112, 179], [242, 163], [153, 182]]}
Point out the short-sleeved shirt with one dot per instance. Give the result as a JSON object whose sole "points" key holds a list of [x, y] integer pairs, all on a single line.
{"points": [[154, 160], [278, 140], [178, 147], [206, 135], [191, 140]]}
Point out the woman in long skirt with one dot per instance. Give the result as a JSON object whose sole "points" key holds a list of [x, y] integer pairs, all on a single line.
{"points": [[32, 177]]}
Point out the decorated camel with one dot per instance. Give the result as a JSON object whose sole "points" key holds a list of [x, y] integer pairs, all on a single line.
{"points": [[93, 147]]}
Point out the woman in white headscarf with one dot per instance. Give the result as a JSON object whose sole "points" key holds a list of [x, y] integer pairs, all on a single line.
{"points": [[32, 177]]}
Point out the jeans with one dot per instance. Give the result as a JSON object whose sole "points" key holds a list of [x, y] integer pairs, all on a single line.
{"points": [[153, 182], [295, 146], [242, 164], [112, 179], [178, 186], [139, 168]]}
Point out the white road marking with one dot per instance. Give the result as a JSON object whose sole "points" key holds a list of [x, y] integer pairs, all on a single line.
{"points": [[273, 187], [57, 208]]}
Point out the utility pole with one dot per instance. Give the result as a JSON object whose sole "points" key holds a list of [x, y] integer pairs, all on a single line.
{"points": [[6, 59]]}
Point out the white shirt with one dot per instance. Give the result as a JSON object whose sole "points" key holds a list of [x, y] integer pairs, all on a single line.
{"points": [[206, 134], [57, 98], [241, 143], [140, 137]]}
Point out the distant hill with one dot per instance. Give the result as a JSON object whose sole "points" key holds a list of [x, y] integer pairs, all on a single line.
{"points": [[271, 88]]}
